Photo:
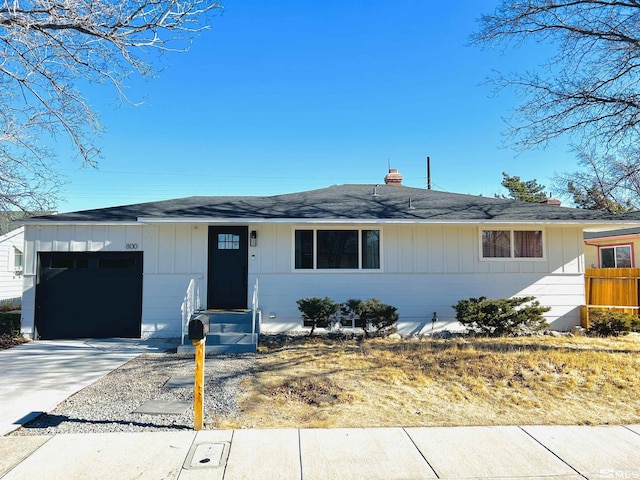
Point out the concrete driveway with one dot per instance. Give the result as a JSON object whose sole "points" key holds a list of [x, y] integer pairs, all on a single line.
{"points": [[37, 376]]}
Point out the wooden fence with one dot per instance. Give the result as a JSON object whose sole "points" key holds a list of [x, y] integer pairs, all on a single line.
{"points": [[610, 289]]}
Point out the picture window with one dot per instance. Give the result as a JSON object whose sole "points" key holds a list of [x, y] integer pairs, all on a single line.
{"points": [[337, 249]]}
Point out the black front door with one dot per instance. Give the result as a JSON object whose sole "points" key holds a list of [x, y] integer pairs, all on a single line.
{"points": [[228, 263]]}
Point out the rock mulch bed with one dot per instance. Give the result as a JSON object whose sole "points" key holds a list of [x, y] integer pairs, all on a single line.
{"points": [[108, 405]]}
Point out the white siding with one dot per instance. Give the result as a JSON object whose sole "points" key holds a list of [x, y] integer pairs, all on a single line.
{"points": [[173, 255], [10, 279], [425, 269]]}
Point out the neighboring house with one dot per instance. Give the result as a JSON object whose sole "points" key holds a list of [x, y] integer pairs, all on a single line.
{"points": [[123, 271], [11, 264], [612, 248]]}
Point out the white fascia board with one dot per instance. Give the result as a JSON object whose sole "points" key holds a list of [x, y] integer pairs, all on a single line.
{"points": [[602, 224]]}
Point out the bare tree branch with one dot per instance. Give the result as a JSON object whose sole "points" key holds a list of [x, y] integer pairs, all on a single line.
{"points": [[605, 182], [590, 88], [46, 48]]}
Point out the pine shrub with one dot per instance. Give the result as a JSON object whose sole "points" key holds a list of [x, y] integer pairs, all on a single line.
{"points": [[502, 317], [607, 323], [382, 318], [317, 312]]}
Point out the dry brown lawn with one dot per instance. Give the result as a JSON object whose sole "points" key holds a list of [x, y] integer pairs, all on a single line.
{"points": [[311, 383]]}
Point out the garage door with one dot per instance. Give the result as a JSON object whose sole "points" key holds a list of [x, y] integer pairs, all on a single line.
{"points": [[89, 295]]}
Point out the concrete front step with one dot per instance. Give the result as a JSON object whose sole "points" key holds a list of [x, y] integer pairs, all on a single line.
{"points": [[229, 332], [229, 328], [224, 343], [230, 338], [220, 349]]}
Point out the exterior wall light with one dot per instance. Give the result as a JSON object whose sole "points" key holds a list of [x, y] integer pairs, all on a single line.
{"points": [[253, 239]]}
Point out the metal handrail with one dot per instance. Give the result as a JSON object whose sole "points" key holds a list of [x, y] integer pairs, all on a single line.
{"points": [[190, 304], [254, 308]]}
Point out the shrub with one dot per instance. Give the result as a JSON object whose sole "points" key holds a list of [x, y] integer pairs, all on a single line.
{"points": [[10, 324], [350, 313], [380, 316], [504, 316], [369, 314], [317, 312], [607, 323]]}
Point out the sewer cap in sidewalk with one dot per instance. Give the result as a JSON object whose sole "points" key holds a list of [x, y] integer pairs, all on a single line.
{"points": [[207, 455]]}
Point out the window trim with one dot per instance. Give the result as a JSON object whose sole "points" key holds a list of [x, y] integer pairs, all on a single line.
{"points": [[315, 229], [16, 269], [512, 257], [614, 245]]}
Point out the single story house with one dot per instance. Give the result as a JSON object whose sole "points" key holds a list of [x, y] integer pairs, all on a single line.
{"points": [[11, 265], [612, 248], [124, 271]]}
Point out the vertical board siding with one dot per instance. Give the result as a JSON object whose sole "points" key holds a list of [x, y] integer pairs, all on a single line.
{"points": [[429, 268], [166, 248], [151, 250], [173, 255], [391, 246], [468, 253], [198, 249], [425, 269], [436, 249], [417, 296]]}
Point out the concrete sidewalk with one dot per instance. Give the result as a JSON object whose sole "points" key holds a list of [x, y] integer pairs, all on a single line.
{"points": [[37, 376], [529, 452]]}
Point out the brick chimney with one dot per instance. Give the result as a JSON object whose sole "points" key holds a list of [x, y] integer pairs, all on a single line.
{"points": [[551, 201], [393, 178]]}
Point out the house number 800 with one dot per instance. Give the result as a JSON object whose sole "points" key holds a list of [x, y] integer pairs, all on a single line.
{"points": [[132, 246]]}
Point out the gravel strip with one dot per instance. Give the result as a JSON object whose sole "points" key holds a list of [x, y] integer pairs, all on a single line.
{"points": [[108, 404]]}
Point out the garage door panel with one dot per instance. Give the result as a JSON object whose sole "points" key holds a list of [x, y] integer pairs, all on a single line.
{"points": [[95, 295]]}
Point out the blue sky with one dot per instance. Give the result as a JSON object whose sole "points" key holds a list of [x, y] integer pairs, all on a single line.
{"points": [[280, 97]]}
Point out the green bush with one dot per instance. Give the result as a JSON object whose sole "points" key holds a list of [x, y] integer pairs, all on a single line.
{"points": [[607, 323], [350, 313], [370, 315], [317, 312], [379, 316], [504, 316]]}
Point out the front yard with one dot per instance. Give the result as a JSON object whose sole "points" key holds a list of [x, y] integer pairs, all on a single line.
{"points": [[317, 382]]}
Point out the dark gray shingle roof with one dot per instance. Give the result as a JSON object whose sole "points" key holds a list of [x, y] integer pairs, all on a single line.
{"points": [[340, 202], [612, 233]]}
